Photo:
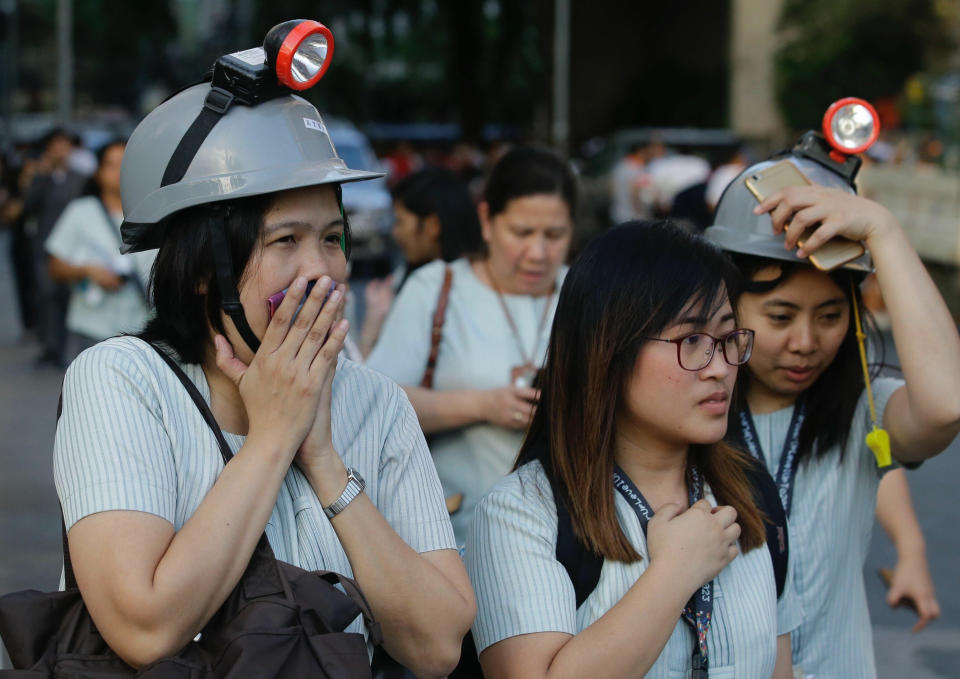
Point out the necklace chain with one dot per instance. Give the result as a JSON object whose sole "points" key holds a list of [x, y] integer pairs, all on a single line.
{"points": [[510, 321]]}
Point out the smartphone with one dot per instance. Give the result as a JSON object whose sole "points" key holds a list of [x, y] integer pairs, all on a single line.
{"points": [[273, 301], [836, 251]]}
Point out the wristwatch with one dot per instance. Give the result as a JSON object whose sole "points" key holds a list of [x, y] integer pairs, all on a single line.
{"points": [[355, 486]]}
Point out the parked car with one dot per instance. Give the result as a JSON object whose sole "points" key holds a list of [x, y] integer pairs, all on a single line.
{"points": [[368, 205]]}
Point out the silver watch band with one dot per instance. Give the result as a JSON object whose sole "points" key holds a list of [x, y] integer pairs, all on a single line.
{"points": [[355, 486]]}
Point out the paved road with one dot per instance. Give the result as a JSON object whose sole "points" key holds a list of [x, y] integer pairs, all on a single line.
{"points": [[30, 524]]}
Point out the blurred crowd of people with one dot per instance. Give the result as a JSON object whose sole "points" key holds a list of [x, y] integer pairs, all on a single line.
{"points": [[60, 213]]}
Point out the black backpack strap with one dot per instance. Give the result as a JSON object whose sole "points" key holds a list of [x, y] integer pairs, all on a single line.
{"points": [[767, 499], [582, 565]]}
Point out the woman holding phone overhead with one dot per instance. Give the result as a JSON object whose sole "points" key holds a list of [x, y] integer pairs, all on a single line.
{"points": [[807, 405], [627, 443], [465, 339]]}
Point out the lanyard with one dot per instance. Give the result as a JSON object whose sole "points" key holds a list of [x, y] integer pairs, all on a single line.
{"points": [[699, 608], [787, 470]]}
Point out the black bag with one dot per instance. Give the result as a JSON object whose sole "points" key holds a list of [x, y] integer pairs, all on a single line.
{"points": [[279, 621]]}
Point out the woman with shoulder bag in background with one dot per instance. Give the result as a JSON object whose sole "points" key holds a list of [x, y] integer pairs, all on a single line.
{"points": [[470, 371], [433, 218]]}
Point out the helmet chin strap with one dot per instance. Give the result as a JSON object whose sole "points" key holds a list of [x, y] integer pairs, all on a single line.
{"points": [[223, 265]]}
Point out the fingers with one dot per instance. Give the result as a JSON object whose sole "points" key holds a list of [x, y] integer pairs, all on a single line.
{"points": [[527, 393], [280, 323], [827, 230], [316, 306], [703, 505], [726, 515], [927, 610], [667, 511], [319, 337], [327, 354], [229, 364]]}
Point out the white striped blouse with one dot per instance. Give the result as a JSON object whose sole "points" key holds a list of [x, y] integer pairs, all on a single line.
{"points": [[130, 438], [830, 525], [521, 588]]}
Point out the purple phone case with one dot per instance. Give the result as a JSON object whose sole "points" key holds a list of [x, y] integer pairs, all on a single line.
{"points": [[274, 300]]}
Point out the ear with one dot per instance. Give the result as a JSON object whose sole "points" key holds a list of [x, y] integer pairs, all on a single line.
{"points": [[431, 228], [486, 228]]}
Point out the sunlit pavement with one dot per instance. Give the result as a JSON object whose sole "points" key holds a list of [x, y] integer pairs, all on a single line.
{"points": [[30, 524]]}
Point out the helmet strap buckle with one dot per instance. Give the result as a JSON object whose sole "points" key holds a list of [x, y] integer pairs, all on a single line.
{"points": [[218, 100]]}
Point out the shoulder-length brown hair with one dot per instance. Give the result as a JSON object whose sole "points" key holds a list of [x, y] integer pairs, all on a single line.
{"points": [[628, 284]]}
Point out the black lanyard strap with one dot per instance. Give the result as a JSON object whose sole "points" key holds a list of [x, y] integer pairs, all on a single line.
{"points": [[699, 609], [787, 469]]}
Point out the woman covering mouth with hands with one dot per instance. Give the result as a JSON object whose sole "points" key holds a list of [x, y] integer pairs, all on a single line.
{"points": [[627, 439], [328, 460]]}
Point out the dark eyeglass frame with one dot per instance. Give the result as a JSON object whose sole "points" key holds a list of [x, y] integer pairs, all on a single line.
{"points": [[722, 340]]}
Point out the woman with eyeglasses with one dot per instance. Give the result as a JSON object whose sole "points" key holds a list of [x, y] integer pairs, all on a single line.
{"points": [[627, 445]]}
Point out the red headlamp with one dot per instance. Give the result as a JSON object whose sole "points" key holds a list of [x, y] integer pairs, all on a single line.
{"points": [[300, 51], [851, 125]]}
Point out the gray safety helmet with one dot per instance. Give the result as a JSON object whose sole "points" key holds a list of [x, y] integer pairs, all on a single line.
{"points": [[737, 229], [278, 144]]}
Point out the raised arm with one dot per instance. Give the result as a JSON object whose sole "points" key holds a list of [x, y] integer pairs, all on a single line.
{"points": [[923, 417]]}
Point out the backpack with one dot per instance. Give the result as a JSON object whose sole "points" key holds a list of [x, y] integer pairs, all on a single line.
{"points": [[583, 566]]}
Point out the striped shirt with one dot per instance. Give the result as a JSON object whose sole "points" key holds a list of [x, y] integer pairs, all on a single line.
{"points": [[830, 526], [521, 588], [477, 351], [130, 438]]}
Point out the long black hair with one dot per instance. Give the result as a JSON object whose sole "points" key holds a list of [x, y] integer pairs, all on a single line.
{"points": [[183, 280], [437, 191], [628, 284], [830, 401]]}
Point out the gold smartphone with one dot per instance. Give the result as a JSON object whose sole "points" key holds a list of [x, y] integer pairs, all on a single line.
{"points": [[836, 251]]}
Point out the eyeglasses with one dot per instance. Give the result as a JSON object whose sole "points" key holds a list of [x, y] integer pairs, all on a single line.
{"points": [[695, 351]]}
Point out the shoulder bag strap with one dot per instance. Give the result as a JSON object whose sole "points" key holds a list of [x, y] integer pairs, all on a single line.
{"points": [[202, 406], [69, 579], [436, 333]]}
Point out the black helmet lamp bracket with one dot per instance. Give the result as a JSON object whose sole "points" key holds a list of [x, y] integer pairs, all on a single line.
{"points": [[815, 147]]}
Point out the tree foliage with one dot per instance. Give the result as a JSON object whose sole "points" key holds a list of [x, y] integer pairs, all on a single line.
{"points": [[838, 48]]}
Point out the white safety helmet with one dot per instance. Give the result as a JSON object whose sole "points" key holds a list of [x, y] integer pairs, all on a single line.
{"points": [[243, 134]]}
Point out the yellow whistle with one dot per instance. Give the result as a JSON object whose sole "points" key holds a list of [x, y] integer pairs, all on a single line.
{"points": [[878, 441]]}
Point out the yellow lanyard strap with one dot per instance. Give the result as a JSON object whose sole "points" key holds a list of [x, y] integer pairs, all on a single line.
{"points": [[878, 440]]}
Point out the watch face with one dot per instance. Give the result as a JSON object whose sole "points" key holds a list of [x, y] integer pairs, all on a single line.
{"points": [[353, 473]]}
